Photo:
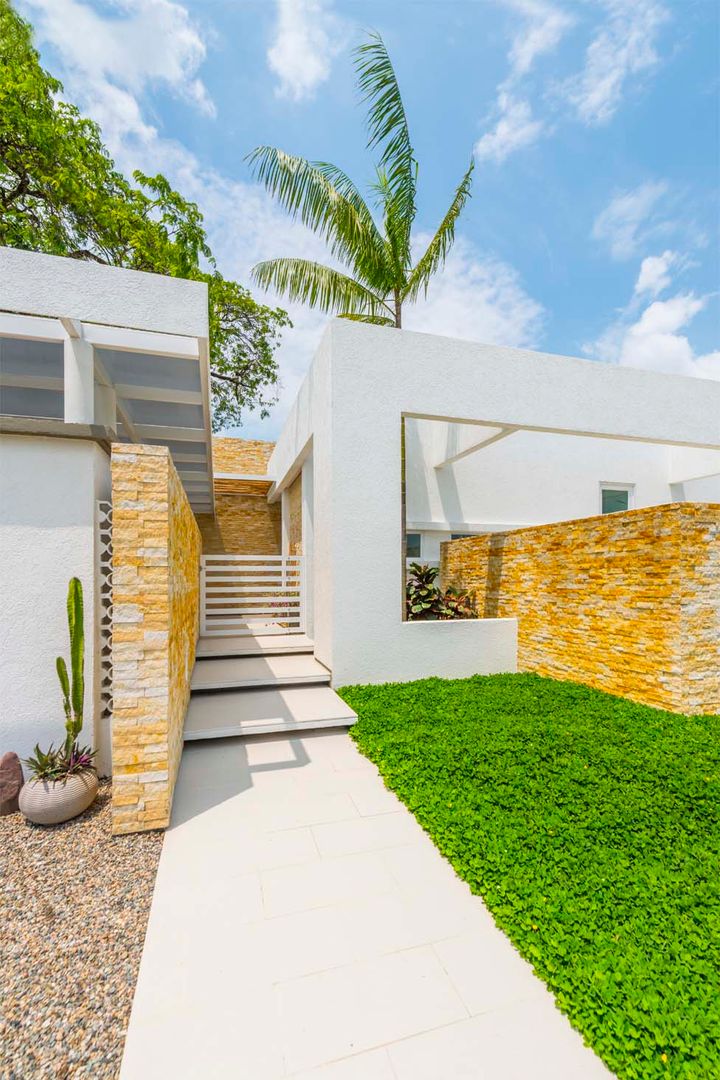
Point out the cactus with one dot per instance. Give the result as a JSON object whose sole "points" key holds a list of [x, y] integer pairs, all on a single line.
{"points": [[73, 692]]}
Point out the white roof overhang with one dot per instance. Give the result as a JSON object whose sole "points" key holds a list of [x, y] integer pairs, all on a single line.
{"points": [[160, 382]]}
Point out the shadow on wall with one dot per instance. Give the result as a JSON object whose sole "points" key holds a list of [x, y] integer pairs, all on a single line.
{"points": [[494, 575]]}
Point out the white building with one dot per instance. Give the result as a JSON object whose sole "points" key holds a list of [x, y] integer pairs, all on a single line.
{"points": [[89, 354], [496, 438]]}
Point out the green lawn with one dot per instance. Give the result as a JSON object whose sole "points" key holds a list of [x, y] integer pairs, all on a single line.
{"points": [[591, 827]]}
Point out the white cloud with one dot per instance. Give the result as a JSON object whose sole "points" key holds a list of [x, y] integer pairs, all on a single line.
{"points": [[542, 31], [308, 36], [143, 43], [624, 46], [657, 339], [630, 219], [479, 298], [654, 276], [515, 128], [654, 341]]}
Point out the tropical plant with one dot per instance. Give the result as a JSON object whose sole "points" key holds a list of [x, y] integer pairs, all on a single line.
{"points": [[424, 599], [57, 764], [61, 193], [378, 274], [73, 691]]}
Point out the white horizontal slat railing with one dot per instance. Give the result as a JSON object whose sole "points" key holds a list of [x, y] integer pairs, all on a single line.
{"points": [[251, 594]]}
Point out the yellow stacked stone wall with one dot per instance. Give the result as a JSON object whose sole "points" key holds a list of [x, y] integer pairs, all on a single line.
{"points": [[295, 516], [249, 456], [156, 557], [628, 603], [245, 523]]}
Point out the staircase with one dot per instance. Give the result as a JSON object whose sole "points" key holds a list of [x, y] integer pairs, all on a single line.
{"points": [[254, 684]]}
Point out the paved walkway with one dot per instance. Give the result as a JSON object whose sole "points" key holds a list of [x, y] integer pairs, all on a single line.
{"points": [[304, 926]]}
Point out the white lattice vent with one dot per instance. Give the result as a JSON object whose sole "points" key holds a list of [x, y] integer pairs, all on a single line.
{"points": [[104, 532]]}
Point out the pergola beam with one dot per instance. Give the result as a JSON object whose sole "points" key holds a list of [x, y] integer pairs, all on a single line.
{"points": [[502, 434]]}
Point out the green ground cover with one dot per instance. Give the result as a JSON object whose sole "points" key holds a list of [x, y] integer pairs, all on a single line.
{"points": [[591, 827]]}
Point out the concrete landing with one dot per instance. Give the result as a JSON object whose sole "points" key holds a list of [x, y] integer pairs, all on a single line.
{"points": [[253, 712], [252, 672], [253, 645]]}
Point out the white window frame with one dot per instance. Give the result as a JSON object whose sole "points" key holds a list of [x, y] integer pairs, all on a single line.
{"points": [[607, 485]]}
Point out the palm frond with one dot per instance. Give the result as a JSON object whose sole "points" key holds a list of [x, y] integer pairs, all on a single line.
{"points": [[309, 191], [387, 122], [441, 242], [376, 320], [317, 285]]}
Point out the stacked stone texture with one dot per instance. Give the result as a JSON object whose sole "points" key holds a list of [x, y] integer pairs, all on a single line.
{"points": [[628, 603], [156, 554], [295, 516], [249, 456], [245, 523]]}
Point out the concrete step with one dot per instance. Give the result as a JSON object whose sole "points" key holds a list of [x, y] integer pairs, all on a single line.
{"points": [[253, 645], [252, 672], [258, 712]]}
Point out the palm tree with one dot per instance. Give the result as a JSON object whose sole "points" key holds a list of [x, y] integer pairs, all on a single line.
{"points": [[380, 276]]}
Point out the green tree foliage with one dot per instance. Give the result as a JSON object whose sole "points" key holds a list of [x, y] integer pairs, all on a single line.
{"points": [[61, 193], [380, 275]]}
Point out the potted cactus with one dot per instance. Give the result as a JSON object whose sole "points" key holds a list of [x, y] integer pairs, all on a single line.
{"points": [[63, 781]]}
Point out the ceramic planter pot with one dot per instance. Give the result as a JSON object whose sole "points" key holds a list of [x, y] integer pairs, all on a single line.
{"points": [[48, 802]]}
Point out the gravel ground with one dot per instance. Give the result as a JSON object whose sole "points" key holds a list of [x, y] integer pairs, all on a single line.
{"points": [[74, 905]]}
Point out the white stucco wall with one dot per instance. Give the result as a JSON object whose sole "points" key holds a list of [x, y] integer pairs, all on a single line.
{"points": [[528, 478], [350, 406], [36, 284], [48, 491]]}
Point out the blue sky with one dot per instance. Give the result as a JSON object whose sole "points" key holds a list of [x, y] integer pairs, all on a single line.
{"points": [[593, 227]]}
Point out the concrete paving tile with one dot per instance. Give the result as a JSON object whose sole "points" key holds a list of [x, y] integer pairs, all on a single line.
{"points": [[390, 922], [323, 883], [531, 1041], [217, 1030], [366, 834], [374, 1065], [488, 972], [273, 813], [419, 866], [340, 1012], [371, 797], [291, 946]]}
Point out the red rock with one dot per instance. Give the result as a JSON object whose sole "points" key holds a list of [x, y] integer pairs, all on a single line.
{"points": [[11, 780]]}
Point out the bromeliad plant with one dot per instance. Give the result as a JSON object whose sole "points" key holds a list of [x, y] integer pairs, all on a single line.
{"points": [[70, 757], [426, 600]]}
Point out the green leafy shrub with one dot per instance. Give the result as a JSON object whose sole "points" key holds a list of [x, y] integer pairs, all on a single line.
{"points": [[591, 827], [424, 599]]}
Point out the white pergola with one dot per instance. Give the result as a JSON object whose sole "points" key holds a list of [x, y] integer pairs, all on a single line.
{"points": [[85, 377]]}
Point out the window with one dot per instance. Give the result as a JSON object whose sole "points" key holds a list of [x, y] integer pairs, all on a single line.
{"points": [[614, 498], [460, 536], [413, 545]]}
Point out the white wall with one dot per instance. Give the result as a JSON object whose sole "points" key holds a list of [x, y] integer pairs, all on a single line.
{"points": [[36, 284], [350, 405], [528, 478], [48, 490], [695, 475]]}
